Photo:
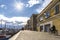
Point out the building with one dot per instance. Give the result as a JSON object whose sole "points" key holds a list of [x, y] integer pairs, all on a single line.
{"points": [[33, 22], [28, 25], [49, 17]]}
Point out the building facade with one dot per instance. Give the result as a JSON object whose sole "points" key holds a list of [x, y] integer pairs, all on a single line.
{"points": [[33, 23], [28, 25], [50, 16]]}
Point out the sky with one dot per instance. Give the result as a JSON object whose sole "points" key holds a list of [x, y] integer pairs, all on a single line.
{"points": [[21, 10]]}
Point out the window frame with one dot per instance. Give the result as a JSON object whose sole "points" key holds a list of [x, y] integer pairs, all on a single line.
{"points": [[41, 18], [57, 9], [47, 14]]}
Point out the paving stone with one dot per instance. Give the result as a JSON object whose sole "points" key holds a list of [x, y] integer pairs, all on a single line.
{"points": [[33, 35]]}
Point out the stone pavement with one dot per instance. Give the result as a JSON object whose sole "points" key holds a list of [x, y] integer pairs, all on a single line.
{"points": [[33, 35], [15, 36]]}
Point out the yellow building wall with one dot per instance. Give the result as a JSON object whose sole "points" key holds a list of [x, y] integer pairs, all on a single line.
{"points": [[38, 28], [52, 11], [56, 22]]}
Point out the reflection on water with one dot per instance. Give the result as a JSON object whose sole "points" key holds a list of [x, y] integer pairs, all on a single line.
{"points": [[4, 38]]}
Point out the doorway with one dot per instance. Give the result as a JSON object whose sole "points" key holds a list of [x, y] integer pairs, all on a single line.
{"points": [[46, 28], [41, 28]]}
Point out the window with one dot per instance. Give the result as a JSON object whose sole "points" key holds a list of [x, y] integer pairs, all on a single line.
{"points": [[41, 18], [57, 9], [47, 14]]}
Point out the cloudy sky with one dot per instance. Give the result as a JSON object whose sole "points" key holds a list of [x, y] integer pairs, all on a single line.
{"points": [[21, 10]]}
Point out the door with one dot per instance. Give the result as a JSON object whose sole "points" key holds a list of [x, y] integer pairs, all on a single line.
{"points": [[46, 29], [41, 28]]}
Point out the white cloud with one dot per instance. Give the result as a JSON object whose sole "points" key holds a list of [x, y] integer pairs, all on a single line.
{"points": [[27, 5], [3, 17], [30, 3], [23, 23], [46, 2], [20, 19], [33, 2], [13, 19], [39, 9], [3, 6]]}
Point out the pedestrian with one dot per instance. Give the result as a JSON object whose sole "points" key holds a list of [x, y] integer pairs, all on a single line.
{"points": [[53, 29]]}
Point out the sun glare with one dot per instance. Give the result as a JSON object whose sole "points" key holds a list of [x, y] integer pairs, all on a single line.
{"points": [[18, 6]]}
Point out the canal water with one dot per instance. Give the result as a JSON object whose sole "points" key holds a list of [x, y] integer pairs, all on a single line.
{"points": [[5, 38]]}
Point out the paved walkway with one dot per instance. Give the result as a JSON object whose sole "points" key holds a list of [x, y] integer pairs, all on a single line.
{"points": [[33, 35], [15, 36]]}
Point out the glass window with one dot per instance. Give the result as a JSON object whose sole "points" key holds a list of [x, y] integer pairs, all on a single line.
{"points": [[41, 18], [57, 9], [47, 14]]}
